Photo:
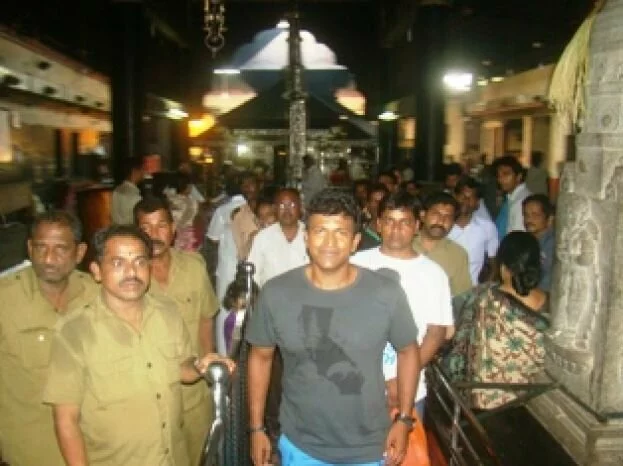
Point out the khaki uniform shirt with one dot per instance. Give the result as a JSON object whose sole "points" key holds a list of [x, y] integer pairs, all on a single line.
{"points": [[190, 287], [453, 259], [27, 322], [127, 383]]}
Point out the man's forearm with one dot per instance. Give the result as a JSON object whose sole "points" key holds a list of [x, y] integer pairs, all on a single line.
{"points": [[408, 376], [259, 367], [433, 340], [188, 372], [206, 335], [69, 436]]}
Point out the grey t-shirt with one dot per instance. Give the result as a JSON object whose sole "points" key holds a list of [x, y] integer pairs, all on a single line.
{"points": [[333, 405]]}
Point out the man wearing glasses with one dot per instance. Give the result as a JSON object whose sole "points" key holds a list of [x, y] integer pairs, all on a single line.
{"points": [[280, 247]]}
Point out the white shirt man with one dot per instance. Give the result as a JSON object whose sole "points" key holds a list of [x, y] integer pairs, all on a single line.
{"points": [[479, 238], [272, 254], [477, 235], [124, 198], [515, 214], [313, 180], [428, 293], [220, 230]]}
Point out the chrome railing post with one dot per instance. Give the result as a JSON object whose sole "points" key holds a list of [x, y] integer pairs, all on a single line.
{"points": [[217, 376]]}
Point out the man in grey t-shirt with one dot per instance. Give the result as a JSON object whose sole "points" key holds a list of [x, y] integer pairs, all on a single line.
{"points": [[331, 321]]}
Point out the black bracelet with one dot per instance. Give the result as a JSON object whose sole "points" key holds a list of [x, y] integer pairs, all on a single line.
{"points": [[253, 430]]}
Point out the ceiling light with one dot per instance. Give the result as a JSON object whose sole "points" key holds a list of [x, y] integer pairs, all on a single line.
{"points": [[242, 149], [176, 114], [343, 117], [388, 115], [283, 24], [486, 62], [537, 45], [227, 71], [482, 82], [458, 81], [497, 79]]}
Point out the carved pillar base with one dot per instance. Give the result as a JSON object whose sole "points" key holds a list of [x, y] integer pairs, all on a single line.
{"points": [[588, 441]]}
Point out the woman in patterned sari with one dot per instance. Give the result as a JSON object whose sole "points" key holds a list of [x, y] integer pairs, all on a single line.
{"points": [[500, 326]]}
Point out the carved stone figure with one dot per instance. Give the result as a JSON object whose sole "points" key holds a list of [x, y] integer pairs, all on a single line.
{"points": [[578, 290], [584, 350]]}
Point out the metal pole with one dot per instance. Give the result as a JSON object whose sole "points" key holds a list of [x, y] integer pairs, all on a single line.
{"points": [[217, 376], [296, 96]]}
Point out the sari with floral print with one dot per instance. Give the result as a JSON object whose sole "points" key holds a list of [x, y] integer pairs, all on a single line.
{"points": [[498, 340]]}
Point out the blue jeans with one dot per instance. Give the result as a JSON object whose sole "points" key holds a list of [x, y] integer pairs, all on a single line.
{"points": [[292, 456]]}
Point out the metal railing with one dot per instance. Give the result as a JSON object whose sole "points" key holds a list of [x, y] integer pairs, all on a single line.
{"points": [[458, 429], [227, 443]]}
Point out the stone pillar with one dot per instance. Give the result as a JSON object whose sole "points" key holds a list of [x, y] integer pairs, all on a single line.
{"points": [[127, 83], [430, 32], [298, 115], [455, 124], [492, 139], [559, 131], [585, 344], [526, 140]]}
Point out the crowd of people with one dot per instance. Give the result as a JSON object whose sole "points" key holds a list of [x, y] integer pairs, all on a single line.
{"points": [[357, 288]]}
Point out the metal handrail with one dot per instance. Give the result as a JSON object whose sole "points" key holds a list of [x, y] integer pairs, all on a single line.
{"points": [[217, 377], [461, 417], [227, 440]]}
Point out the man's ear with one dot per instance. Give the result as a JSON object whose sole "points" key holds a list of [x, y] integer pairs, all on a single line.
{"points": [[95, 271], [355, 243], [80, 252]]}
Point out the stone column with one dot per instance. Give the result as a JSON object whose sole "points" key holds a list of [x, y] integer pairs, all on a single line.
{"points": [[526, 140], [559, 131], [585, 344], [492, 139], [455, 124], [127, 83], [298, 116]]}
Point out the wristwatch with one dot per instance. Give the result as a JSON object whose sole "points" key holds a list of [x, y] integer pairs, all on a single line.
{"points": [[406, 419]]}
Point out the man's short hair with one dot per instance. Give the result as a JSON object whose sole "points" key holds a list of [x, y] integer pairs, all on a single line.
{"points": [[443, 198], [131, 164], [295, 192], [59, 217], [335, 201], [401, 201], [452, 169], [536, 158], [377, 187], [365, 183], [543, 201], [389, 174], [151, 204], [471, 183], [511, 162], [119, 231]]}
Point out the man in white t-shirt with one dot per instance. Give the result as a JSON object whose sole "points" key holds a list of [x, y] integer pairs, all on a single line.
{"points": [[220, 231], [478, 236], [424, 282], [281, 246]]}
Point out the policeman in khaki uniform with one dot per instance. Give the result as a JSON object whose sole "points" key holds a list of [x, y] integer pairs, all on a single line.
{"points": [[182, 277], [33, 300], [117, 365]]}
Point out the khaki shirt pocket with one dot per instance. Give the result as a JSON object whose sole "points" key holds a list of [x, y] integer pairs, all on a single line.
{"points": [[35, 346], [113, 380], [172, 361]]}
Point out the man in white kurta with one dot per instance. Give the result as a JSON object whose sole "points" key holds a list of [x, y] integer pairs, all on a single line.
{"points": [[281, 246]]}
